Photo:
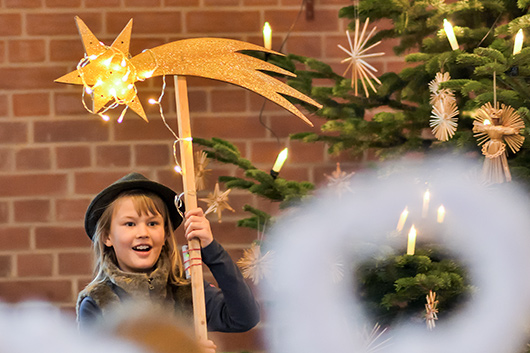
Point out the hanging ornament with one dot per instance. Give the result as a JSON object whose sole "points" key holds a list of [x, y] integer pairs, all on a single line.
{"points": [[431, 310], [255, 265], [339, 180], [201, 162], [444, 109], [495, 128], [360, 69], [217, 202], [374, 340]]}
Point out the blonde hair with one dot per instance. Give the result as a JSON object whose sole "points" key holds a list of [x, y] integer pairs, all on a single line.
{"points": [[145, 203]]}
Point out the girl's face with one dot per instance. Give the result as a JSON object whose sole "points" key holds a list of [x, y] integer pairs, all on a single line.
{"points": [[137, 239]]}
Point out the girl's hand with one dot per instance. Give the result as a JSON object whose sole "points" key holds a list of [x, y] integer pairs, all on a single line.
{"points": [[197, 226], [208, 346]]}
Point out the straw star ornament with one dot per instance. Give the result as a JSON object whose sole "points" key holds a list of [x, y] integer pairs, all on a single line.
{"points": [[444, 115], [360, 69], [217, 202], [254, 264]]}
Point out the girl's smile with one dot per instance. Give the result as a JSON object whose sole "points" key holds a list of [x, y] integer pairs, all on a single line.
{"points": [[137, 239]]}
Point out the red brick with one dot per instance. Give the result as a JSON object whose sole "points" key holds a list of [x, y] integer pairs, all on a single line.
{"points": [[26, 51], [266, 152], [61, 237], [3, 106], [221, 2], [102, 3], [301, 152], [75, 263], [229, 100], [23, 4], [33, 159], [71, 210], [140, 44], [70, 103], [305, 45], [6, 159], [31, 104], [38, 265], [155, 22], [91, 183], [73, 157], [4, 212], [182, 3], [113, 156], [136, 129], [153, 155], [227, 127], [32, 211], [49, 290], [93, 129], [142, 3], [218, 21], [32, 184], [13, 132], [60, 23], [3, 51], [30, 77], [5, 266], [198, 101], [259, 2], [280, 20], [62, 3], [69, 50], [14, 238], [287, 124], [10, 24]]}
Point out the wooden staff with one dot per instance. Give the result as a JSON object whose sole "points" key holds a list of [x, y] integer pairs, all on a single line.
{"points": [[190, 201]]}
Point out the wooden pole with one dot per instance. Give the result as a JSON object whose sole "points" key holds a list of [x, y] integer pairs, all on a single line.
{"points": [[190, 201]]}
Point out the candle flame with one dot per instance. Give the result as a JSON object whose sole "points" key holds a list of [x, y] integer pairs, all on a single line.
{"points": [[267, 32], [448, 27], [280, 160], [518, 43], [441, 214], [411, 244], [402, 219]]}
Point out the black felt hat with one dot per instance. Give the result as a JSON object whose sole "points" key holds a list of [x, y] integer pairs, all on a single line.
{"points": [[132, 181]]}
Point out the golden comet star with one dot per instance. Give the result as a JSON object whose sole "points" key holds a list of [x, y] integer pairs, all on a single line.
{"points": [[109, 75], [360, 69]]}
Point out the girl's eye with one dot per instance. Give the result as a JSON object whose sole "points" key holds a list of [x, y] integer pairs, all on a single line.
{"points": [[129, 224], [153, 223]]}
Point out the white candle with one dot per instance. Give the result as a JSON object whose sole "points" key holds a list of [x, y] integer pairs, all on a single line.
{"points": [[411, 244], [518, 43], [267, 32], [448, 27], [402, 219], [282, 156], [441, 214], [426, 199]]}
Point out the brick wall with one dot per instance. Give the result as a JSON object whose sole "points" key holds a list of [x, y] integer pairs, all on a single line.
{"points": [[54, 156]]}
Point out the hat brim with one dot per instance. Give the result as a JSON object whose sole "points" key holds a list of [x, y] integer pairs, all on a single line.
{"points": [[109, 194]]}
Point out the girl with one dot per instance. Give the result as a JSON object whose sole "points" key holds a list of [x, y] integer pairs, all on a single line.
{"points": [[131, 224]]}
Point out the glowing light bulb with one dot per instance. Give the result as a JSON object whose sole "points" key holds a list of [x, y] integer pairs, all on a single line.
{"points": [[267, 32], [107, 62], [178, 169], [130, 86], [152, 101], [487, 122], [448, 27], [518, 43], [112, 92], [148, 74], [104, 117], [93, 57], [123, 63], [88, 90]]}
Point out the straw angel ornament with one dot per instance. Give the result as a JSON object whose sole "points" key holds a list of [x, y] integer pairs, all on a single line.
{"points": [[495, 128]]}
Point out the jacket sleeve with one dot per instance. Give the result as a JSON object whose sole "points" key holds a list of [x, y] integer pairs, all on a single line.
{"points": [[231, 307], [88, 313]]}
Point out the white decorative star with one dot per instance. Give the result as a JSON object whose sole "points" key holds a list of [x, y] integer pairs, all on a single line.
{"points": [[360, 69], [254, 264]]}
